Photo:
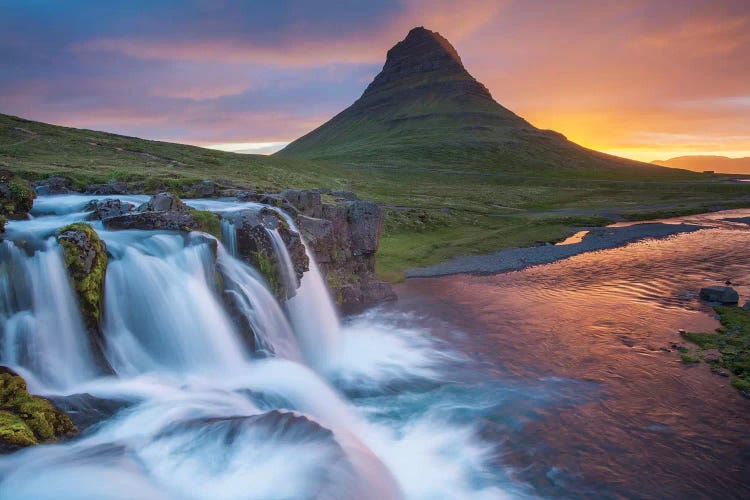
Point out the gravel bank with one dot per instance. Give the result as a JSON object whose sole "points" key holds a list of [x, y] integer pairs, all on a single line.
{"points": [[512, 259]]}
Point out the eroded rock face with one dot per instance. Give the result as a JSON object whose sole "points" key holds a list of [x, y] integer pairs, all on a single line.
{"points": [[255, 246], [344, 240], [27, 420], [16, 197], [306, 201], [111, 207]]}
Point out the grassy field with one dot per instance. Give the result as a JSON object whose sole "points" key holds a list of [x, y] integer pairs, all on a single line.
{"points": [[433, 214]]}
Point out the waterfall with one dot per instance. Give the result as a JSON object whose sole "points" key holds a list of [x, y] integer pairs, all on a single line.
{"points": [[270, 327], [162, 311], [206, 418], [42, 329], [311, 310]]}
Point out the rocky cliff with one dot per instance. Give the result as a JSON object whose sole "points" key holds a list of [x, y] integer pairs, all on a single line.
{"points": [[344, 237]]}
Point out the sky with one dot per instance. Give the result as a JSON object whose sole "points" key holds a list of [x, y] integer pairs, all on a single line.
{"points": [[645, 79]]}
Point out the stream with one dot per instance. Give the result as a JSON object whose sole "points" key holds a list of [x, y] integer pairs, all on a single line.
{"points": [[555, 381]]}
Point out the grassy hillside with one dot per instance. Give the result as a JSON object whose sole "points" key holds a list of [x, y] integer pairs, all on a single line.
{"points": [[432, 214]]}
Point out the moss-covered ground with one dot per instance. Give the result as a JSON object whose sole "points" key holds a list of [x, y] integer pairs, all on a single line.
{"points": [[27, 420], [732, 341]]}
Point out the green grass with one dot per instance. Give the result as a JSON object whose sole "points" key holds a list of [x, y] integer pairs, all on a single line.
{"points": [[208, 222], [450, 210], [732, 341]]}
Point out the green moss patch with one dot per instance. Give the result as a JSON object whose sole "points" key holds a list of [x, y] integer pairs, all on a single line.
{"points": [[208, 222], [732, 341], [27, 420], [265, 264], [79, 241]]}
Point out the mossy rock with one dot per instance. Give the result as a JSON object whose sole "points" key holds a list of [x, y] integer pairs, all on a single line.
{"points": [[27, 420], [16, 196], [85, 256], [206, 221], [267, 266]]}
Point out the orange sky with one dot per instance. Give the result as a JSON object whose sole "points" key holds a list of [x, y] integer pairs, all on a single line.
{"points": [[647, 79]]}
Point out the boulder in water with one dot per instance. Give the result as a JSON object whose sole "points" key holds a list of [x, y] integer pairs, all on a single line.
{"points": [[85, 257], [166, 212], [110, 207], [164, 202], [27, 420], [720, 294], [86, 410]]}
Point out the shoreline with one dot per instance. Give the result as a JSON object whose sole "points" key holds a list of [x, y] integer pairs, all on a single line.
{"points": [[515, 259]]}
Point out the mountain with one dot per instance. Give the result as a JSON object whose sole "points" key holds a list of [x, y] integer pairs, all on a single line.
{"points": [[721, 164], [424, 109]]}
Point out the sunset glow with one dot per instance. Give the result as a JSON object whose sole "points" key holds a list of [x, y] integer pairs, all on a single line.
{"points": [[643, 79]]}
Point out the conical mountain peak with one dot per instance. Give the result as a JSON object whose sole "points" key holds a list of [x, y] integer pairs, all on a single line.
{"points": [[424, 109], [422, 56]]}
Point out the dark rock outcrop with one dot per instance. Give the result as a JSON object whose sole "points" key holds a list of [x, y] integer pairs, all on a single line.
{"points": [[306, 201], [16, 197], [344, 240], [720, 294], [255, 245], [110, 207], [86, 410], [163, 202], [27, 420], [165, 211], [57, 184], [85, 256]]}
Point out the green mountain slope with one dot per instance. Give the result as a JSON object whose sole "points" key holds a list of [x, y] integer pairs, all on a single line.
{"points": [[424, 109]]}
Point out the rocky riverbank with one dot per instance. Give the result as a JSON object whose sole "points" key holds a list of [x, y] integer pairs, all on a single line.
{"points": [[514, 259]]}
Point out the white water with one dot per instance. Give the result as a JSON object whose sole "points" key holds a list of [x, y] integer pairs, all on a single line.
{"points": [[206, 417]]}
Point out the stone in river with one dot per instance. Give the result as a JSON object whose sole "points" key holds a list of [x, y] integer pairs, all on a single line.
{"points": [[720, 294]]}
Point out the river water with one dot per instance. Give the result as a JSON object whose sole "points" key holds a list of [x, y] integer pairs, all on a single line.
{"points": [[549, 382], [600, 407]]}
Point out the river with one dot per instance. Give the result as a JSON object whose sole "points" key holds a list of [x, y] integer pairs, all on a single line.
{"points": [[547, 382]]}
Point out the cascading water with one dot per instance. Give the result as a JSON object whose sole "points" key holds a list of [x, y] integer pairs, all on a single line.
{"points": [[205, 417], [42, 330]]}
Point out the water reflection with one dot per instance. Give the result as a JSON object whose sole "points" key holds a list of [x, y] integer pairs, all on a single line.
{"points": [[656, 428]]}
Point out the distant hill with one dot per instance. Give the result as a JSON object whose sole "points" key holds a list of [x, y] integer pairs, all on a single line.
{"points": [[425, 110], [719, 164]]}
